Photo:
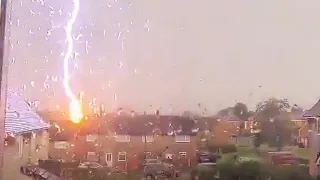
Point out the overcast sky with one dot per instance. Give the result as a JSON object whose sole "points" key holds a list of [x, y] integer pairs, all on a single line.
{"points": [[171, 54]]}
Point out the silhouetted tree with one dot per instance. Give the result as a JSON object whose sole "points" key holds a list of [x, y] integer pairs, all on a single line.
{"points": [[274, 120], [296, 109], [240, 110], [225, 112]]}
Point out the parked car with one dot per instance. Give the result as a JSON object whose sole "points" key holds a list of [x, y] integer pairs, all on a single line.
{"points": [[283, 158]]}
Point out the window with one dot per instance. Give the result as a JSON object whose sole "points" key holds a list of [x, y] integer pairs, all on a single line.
{"points": [[92, 156], [91, 138], [122, 156], [183, 154], [61, 145], [147, 138], [147, 155], [109, 157], [181, 139], [91, 153], [123, 138]]}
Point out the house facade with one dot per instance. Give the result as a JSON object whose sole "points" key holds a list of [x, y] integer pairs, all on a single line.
{"points": [[26, 139], [124, 142], [227, 129], [302, 128]]}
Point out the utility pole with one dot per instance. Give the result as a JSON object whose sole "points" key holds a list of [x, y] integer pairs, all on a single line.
{"points": [[3, 15]]}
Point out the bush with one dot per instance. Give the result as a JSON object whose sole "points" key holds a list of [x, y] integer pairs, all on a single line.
{"points": [[304, 161], [204, 172], [252, 170], [229, 148], [290, 173]]}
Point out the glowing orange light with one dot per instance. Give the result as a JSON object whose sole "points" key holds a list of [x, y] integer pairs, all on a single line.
{"points": [[75, 111]]}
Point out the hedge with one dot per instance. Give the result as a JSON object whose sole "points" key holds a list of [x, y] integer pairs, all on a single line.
{"points": [[251, 170]]}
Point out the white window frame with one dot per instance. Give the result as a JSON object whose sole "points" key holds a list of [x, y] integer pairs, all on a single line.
{"points": [[122, 154], [183, 154], [122, 138], [61, 145], [107, 155], [182, 139], [91, 138], [148, 138], [91, 153], [94, 154]]}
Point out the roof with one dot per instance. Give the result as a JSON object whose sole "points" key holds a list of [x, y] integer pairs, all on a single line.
{"points": [[20, 118], [138, 125], [298, 116], [148, 124], [232, 118], [314, 111]]}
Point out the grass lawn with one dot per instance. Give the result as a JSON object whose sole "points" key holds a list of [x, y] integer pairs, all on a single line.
{"points": [[243, 152], [303, 153], [249, 153]]}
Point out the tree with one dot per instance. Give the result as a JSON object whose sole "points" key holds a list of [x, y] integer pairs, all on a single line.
{"points": [[189, 114], [274, 121], [240, 110], [296, 109], [225, 112]]}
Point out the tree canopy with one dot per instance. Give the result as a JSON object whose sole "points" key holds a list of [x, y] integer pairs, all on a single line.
{"points": [[274, 118]]}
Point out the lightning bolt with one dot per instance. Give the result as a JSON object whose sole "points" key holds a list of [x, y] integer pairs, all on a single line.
{"points": [[75, 107]]}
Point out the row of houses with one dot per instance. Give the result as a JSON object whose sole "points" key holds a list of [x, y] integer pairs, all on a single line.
{"points": [[114, 140], [125, 141]]}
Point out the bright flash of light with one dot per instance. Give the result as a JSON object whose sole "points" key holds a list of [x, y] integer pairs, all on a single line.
{"points": [[75, 110]]}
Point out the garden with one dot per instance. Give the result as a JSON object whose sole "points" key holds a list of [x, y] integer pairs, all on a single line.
{"points": [[247, 163]]}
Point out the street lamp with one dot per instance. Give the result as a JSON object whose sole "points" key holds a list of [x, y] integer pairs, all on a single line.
{"points": [[3, 16]]}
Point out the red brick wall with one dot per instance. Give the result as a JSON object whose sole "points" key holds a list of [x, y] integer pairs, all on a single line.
{"points": [[134, 150]]}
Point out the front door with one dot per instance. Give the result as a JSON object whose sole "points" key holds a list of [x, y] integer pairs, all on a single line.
{"points": [[109, 159]]}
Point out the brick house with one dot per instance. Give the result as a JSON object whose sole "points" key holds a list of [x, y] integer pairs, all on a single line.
{"points": [[312, 118], [26, 138], [124, 141], [225, 129]]}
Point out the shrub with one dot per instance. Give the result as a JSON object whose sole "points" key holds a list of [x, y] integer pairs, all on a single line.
{"points": [[228, 148], [250, 170], [204, 172], [303, 161], [290, 173]]}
